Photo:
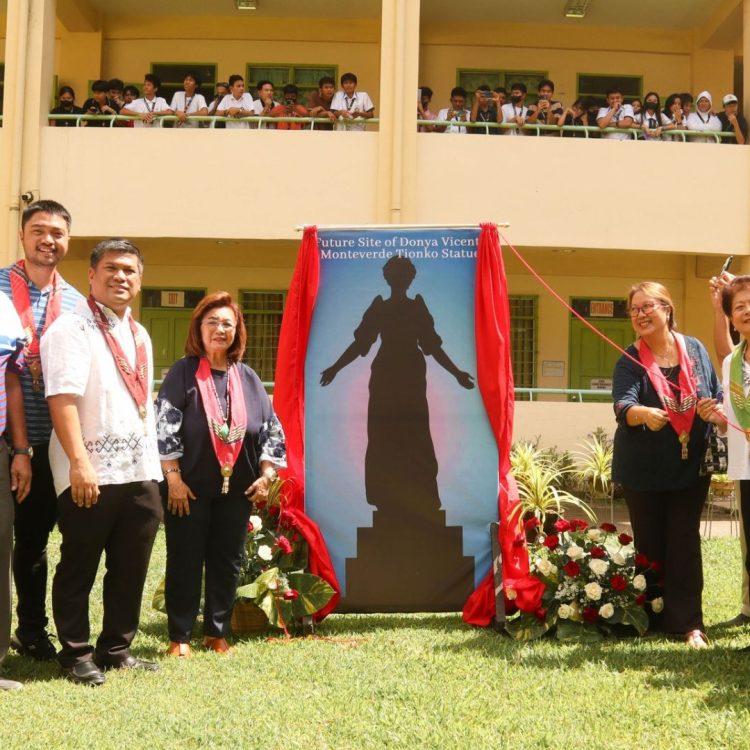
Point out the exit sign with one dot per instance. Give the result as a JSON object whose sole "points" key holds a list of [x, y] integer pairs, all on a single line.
{"points": [[602, 308], [172, 299]]}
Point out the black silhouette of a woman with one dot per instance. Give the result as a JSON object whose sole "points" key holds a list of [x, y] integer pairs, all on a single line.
{"points": [[400, 464]]}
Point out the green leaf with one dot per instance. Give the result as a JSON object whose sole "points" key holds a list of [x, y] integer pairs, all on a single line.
{"points": [[527, 627], [577, 632], [314, 593], [637, 617], [248, 591], [159, 601], [272, 605]]}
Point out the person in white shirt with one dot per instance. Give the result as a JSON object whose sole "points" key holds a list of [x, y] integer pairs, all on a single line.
{"points": [[350, 104], [189, 102], [98, 375], [515, 111], [149, 106], [456, 113], [616, 115], [704, 119], [236, 104], [652, 120]]}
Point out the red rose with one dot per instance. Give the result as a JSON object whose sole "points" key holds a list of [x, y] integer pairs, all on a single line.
{"points": [[562, 525], [541, 614], [598, 551], [625, 539], [291, 595], [578, 524], [610, 528], [590, 614], [551, 541], [259, 504], [618, 583], [640, 600], [274, 510], [641, 561], [284, 544], [656, 566], [532, 523], [250, 526], [572, 568]]}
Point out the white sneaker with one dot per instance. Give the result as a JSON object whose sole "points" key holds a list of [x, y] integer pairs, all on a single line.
{"points": [[10, 685]]}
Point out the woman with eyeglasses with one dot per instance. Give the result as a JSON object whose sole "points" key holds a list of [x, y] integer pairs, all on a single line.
{"points": [[665, 392], [220, 444]]}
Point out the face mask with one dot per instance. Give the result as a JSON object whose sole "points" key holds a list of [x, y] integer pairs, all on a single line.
{"points": [[66, 104], [516, 98], [653, 106]]}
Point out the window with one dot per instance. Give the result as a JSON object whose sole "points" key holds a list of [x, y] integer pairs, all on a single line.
{"points": [[597, 86], [172, 75], [262, 312], [472, 79], [305, 77], [523, 340]]}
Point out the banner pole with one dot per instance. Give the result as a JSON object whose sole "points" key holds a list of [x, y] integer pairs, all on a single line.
{"points": [[345, 227]]}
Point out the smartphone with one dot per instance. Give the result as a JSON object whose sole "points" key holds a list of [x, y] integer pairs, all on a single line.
{"points": [[727, 264]]}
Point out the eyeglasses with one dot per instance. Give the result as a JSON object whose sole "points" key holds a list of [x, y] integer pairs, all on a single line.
{"points": [[646, 308], [225, 324]]}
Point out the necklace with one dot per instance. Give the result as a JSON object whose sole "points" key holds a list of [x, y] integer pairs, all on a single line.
{"points": [[223, 430]]}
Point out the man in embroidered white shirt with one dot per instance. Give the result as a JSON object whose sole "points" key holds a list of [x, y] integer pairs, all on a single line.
{"points": [[98, 370], [149, 106]]}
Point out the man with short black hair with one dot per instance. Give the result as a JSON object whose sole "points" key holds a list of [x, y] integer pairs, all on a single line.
{"points": [[546, 111], [149, 106], [264, 100], [39, 295], [116, 89], [319, 103], [423, 109], [290, 108], [189, 102], [515, 111], [732, 120], [98, 368], [350, 104], [615, 115], [236, 104], [99, 104], [456, 113], [484, 109]]}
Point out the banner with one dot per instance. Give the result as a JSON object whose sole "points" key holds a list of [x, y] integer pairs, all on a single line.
{"points": [[401, 464]]}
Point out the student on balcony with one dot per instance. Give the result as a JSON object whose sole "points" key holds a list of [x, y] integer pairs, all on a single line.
{"points": [[575, 115], [349, 104], [545, 111], [653, 120], [237, 103], [319, 103], [615, 115], [703, 119], [456, 113], [149, 106], [264, 101], [66, 106], [189, 102], [515, 112], [290, 108], [99, 104], [484, 109], [732, 120]]}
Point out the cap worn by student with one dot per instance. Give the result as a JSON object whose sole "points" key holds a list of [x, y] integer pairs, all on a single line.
{"points": [[729, 99]]}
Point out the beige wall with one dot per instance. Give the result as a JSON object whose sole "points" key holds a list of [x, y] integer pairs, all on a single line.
{"points": [[564, 426]]}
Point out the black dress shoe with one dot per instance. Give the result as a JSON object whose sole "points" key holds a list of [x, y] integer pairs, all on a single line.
{"points": [[737, 621], [84, 673], [39, 649], [745, 650], [129, 662]]}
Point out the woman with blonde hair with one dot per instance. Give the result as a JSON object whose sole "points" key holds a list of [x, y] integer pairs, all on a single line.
{"points": [[665, 392]]}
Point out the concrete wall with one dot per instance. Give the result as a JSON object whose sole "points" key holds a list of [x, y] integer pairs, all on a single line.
{"points": [[563, 426]]}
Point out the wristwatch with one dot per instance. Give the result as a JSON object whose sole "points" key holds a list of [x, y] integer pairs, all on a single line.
{"points": [[28, 451]]}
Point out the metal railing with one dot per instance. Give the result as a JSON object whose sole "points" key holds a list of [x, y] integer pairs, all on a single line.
{"points": [[578, 393], [587, 130], [211, 120]]}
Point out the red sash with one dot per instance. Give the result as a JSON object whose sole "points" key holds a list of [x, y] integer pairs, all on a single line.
{"points": [[681, 411], [136, 380], [227, 432], [19, 285]]}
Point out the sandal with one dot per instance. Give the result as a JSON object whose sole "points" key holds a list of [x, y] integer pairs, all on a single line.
{"points": [[180, 650], [696, 639], [219, 645]]}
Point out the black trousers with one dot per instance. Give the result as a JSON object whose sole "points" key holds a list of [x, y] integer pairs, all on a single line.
{"points": [[34, 519], [122, 525], [745, 512], [213, 535], [666, 528]]}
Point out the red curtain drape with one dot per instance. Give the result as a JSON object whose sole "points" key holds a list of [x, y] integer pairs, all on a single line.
{"points": [[495, 380], [289, 403]]}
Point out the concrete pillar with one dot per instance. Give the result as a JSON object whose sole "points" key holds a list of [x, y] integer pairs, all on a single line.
{"points": [[30, 44], [399, 69], [745, 57]]}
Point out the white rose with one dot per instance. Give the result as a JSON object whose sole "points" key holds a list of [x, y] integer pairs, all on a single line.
{"points": [[595, 535], [657, 604], [545, 567], [598, 567], [511, 594], [257, 523], [639, 583], [593, 591], [606, 611], [265, 552], [273, 585], [574, 551], [618, 558], [564, 612]]}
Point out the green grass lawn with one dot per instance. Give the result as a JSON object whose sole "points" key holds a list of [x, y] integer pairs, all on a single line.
{"points": [[404, 681]]}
